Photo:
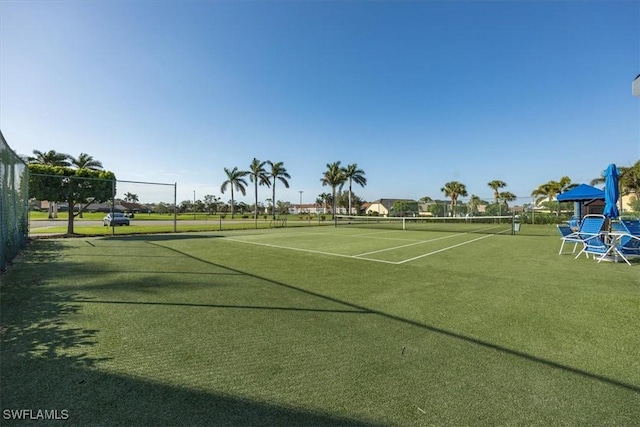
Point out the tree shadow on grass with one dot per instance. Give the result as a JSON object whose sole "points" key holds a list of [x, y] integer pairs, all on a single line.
{"points": [[160, 237], [46, 365], [91, 397], [226, 306]]}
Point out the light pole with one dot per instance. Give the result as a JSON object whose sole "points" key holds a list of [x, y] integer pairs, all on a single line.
{"points": [[194, 205], [300, 206]]}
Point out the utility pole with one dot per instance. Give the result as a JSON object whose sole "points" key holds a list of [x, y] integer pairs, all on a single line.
{"points": [[300, 205]]}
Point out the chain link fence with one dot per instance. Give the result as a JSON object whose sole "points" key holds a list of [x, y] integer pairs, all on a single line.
{"points": [[14, 204], [81, 201]]}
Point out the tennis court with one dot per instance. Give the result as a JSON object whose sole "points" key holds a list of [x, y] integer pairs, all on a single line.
{"points": [[369, 243], [321, 326]]}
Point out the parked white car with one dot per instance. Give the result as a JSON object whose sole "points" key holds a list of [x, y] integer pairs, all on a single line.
{"points": [[115, 218]]}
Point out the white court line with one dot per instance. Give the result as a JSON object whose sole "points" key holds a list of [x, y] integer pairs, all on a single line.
{"points": [[307, 250], [490, 228], [375, 233], [360, 257], [376, 236], [410, 244], [329, 233], [370, 235], [446, 249]]}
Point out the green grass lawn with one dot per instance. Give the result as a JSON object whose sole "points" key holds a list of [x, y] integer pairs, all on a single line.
{"points": [[320, 326]]}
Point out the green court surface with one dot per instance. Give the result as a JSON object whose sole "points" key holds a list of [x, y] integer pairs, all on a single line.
{"points": [[321, 326]]}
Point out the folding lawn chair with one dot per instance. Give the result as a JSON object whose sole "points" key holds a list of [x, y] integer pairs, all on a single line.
{"points": [[625, 246], [574, 223], [625, 240], [567, 235], [590, 235], [630, 226]]}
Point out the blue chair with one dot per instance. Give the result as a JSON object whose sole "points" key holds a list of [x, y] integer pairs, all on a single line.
{"points": [[633, 226], [567, 235], [625, 247], [591, 237], [630, 226], [625, 240], [574, 223]]}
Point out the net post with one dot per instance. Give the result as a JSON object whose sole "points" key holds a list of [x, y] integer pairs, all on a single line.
{"points": [[404, 223], [113, 205], [533, 210], [175, 207]]}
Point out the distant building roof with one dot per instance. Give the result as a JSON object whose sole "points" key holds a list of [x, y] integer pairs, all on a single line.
{"points": [[388, 203]]}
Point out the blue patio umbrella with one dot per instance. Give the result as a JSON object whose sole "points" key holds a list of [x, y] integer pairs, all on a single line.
{"points": [[611, 192]]}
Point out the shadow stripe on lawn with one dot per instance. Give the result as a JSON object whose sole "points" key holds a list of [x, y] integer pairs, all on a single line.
{"points": [[246, 307]]}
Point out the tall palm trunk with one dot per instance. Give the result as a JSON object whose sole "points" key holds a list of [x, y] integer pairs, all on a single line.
{"points": [[273, 200], [349, 197], [333, 201], [255, 206], [232, 201]]}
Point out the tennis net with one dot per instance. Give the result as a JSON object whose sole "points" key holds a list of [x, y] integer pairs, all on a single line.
{"points": [[474, 224]]}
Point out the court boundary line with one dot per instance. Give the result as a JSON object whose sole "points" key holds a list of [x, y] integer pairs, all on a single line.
{"points": [[359, 235], [410, 244], [362, 257], [313, 251], [446, 249]]}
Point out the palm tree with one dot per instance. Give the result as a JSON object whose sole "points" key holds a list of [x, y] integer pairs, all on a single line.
{"points": [[474, 202], [495, 185], [552, 188], [629, 179], [544, 191], [258, 175], [506, 196], [278, 173], [453, 189], [565, 184], [599, 180], [353, 174], [334, 177], [323, 199], [85, 161], [235, 179], [50, 158], [131, 197]]}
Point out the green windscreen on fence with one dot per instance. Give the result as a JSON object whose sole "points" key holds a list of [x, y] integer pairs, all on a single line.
{"points": [[14, 203]]}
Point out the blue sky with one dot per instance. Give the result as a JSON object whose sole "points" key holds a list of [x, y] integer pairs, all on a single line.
{"points": [[417, 93]]}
